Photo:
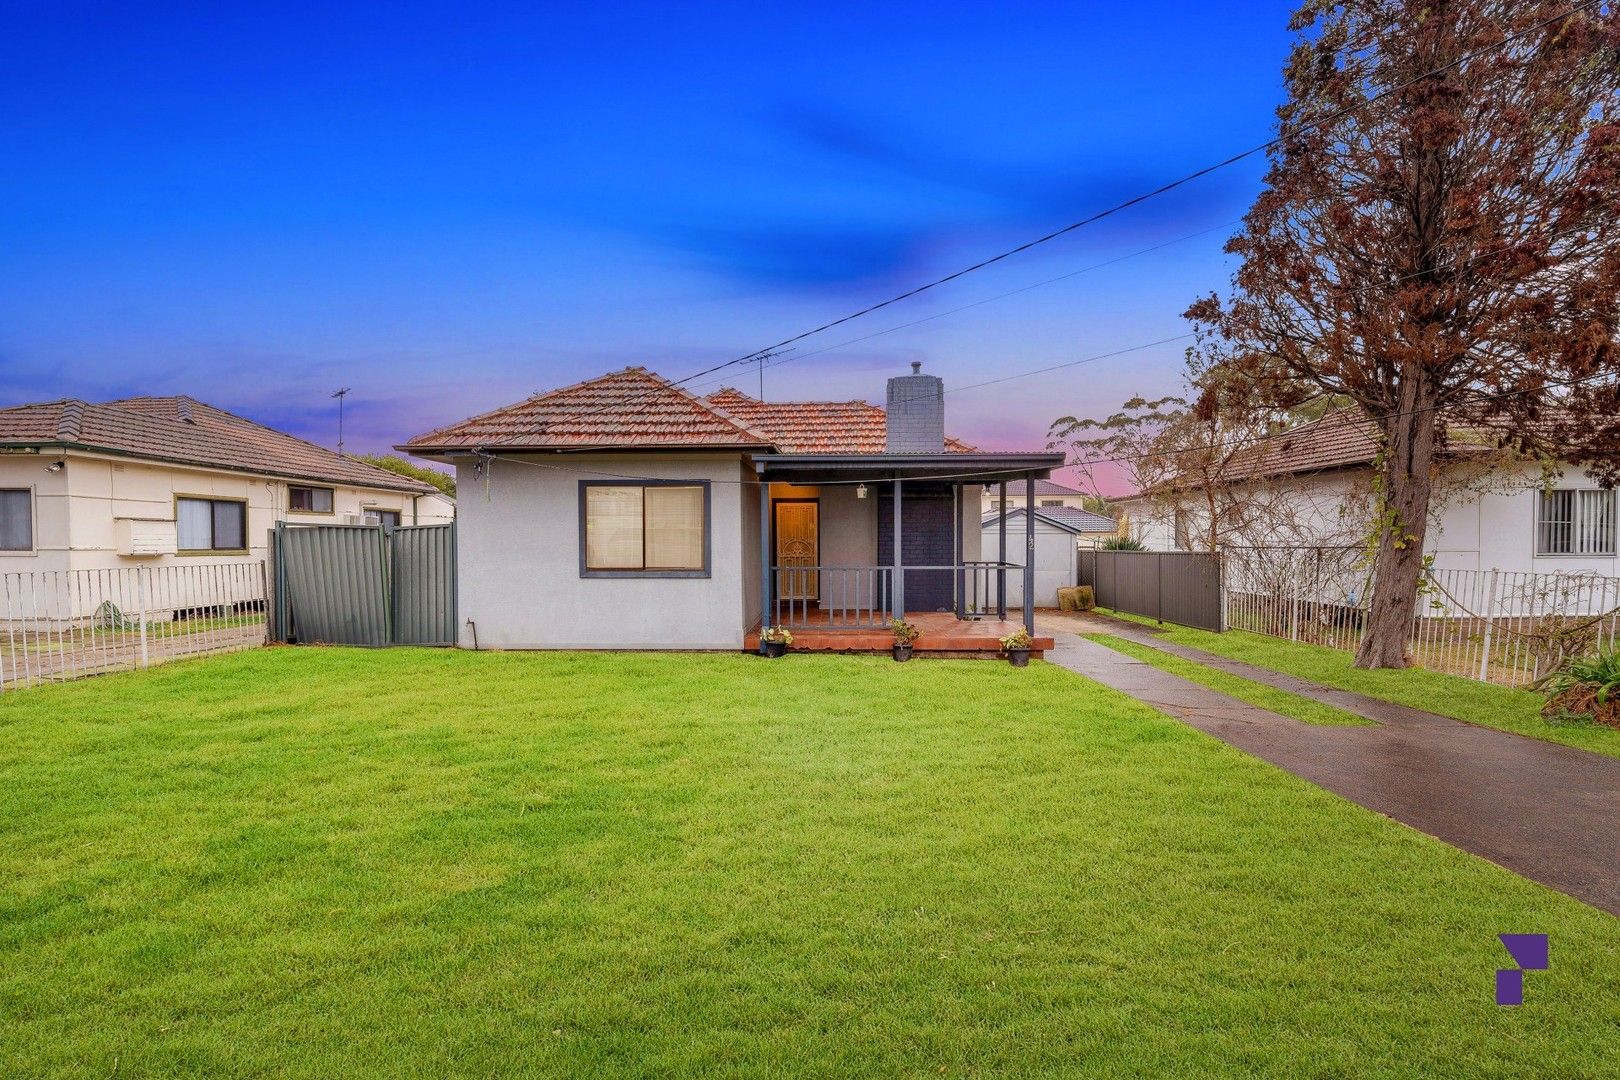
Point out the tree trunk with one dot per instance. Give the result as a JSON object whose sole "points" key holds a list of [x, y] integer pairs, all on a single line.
{"points": [[1407, 484]]}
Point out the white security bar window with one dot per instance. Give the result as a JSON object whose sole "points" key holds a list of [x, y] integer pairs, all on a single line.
{"points": [[16, 519], [310, 500], [210, 524], [1575, 522], [644, 529]]}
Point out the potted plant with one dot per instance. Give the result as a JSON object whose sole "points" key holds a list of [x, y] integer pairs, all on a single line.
{"points": [[905, 635], [1016, 645], [775, 641]]}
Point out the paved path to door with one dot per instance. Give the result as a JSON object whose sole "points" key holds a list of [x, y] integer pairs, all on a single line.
{"points": [[1548, 812]]}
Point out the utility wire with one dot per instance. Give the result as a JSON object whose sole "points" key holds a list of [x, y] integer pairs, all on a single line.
{"points": [[789, 358], [484, 457], [1117, 208]]}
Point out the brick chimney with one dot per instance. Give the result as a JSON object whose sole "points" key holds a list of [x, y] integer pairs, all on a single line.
{"points": [[916, 413]]}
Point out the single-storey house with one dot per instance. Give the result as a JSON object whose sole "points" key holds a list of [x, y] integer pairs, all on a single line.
{"points": [[627, 512], [1310, 485], [170, 481], [1049, 495], [1060, 531]]}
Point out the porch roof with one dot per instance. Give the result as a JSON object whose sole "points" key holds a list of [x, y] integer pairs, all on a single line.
{"points": [[970, 468]]}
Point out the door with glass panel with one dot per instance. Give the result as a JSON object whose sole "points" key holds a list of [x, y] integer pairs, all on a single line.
{"points": [[798, 550]]}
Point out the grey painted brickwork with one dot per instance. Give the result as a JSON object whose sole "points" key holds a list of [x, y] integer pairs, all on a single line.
{"points": [[916, 414]]}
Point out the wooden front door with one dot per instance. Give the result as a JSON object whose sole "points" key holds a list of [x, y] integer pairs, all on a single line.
{"points": [[798, 543]]}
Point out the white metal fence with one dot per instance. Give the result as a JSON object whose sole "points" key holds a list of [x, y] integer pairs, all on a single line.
{"points": [[58, 625], [1496, 626]]}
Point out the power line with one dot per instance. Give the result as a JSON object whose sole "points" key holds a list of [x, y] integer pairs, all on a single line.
{"points": [[485, 456], [1117, 208], [787, 359]]}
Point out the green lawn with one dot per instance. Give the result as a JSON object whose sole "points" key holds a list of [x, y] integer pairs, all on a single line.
{"points": [[331, 862], [1518, 711], [1282, 702]]}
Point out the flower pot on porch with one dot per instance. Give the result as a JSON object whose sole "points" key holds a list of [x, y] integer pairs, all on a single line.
{"points": [[771, 650], [902, 653], [1018, 657]]}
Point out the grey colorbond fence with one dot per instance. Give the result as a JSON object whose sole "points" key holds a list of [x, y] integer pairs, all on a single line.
{"points": [[1175, 586], [363, 584]]}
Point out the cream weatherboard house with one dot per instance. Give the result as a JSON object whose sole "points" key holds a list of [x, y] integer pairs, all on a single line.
{"points": [[1309, 486], [170, 481], [626, 512]]}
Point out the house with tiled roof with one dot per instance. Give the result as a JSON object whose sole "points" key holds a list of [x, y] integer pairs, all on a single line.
{"points": [[626, 511], [159, 481], [1310, 485]]}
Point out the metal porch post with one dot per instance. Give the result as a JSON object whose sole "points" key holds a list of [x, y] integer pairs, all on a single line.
{"points": [[765, 576], [1029, 553], [1001, 553], [897, 588], [961, 551]]}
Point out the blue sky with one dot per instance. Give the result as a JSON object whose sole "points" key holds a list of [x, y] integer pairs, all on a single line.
{"points": [[448, 208]]}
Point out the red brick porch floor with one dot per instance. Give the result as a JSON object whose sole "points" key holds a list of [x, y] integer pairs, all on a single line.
{"points": [[943, 634]]}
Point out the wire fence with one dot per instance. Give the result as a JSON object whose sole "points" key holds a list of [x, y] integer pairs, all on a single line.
{"points": [[60, 625], [1505, 627]]}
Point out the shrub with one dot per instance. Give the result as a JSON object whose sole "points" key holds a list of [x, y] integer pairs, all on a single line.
{"points": [[1587, 686], [904, 633], [1123, 543], [1018, 639], [776, 633]]}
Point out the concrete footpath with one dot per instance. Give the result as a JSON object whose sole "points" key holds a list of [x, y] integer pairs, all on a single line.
{"points": [[1548, 812]]}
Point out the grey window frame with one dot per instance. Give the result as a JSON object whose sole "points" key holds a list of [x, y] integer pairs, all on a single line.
{"points": [[331, 498], [708, 530], [33, 522], [379, 511], [212, 500]]}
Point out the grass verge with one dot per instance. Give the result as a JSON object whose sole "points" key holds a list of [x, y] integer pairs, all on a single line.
{"points": [[1507, 709], [1281, 702], [391, 863]]}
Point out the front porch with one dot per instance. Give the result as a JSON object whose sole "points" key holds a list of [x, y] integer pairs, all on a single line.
{"points": [[848, 541]]}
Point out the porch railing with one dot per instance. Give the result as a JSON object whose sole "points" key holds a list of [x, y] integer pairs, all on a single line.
{"points": [[862, 597]]}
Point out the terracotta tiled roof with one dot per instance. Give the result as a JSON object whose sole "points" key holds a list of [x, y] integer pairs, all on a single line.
{"points": [[629, 408], [179, 429], [1341, 438], [816, 427]]}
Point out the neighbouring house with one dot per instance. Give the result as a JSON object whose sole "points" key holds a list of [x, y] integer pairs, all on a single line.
{"points": [[1060, 531], [1049, 494], [1310, 485], [91, 487], [626, 512]]}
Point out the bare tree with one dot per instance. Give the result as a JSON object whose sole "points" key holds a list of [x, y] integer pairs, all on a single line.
{"points": [[1439, 233]]}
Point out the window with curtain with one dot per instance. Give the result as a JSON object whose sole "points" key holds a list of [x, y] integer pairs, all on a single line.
{"points": [[644, 528], [16, 519], [210, 524], [309, 500], [1572, 521]]}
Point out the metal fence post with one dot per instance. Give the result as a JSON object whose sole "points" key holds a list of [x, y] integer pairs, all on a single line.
{"points": [[1490, 625], [140, 602]]}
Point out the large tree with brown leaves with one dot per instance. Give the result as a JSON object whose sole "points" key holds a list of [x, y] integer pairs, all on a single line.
{"points": [[1439, 236]]}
